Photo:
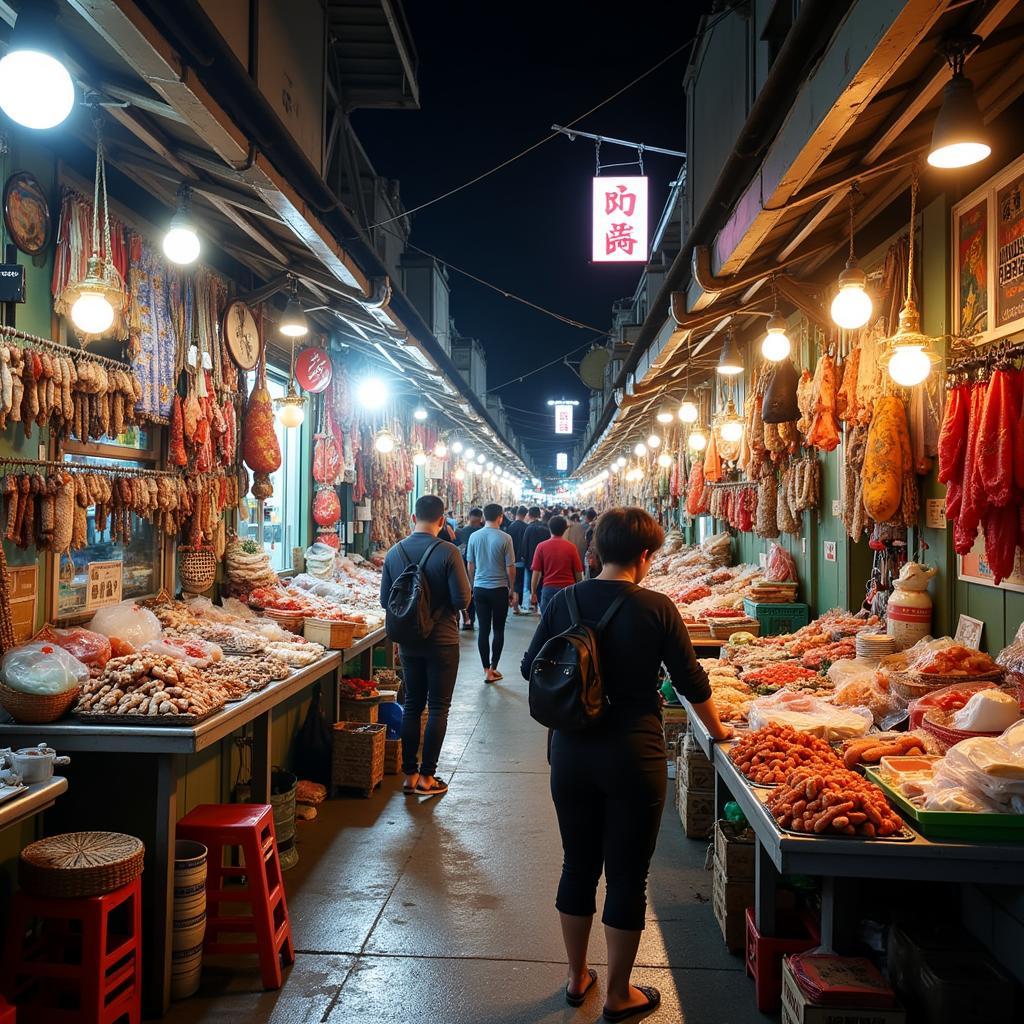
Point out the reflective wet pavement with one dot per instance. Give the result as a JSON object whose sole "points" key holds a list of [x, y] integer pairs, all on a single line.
{"points": [[442, 911]]}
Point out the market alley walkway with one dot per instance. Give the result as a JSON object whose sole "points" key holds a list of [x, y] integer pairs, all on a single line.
{"points": [[441, 912]]}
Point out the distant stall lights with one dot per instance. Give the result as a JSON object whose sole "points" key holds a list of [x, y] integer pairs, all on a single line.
{"points": [[419, 459], [384, 442], [372, 392], [457, 447], [620, 462], [640, 450], [664, 460], [665, 414], [697, 440], [460, 474], [654, 441], [441, 449], [419, 413], [688, 412]]}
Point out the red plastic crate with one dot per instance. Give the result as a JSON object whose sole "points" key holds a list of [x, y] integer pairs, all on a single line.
{"points": [[765, 953]]}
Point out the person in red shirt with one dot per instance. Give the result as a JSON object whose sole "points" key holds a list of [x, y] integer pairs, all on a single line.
{"points": [[556, 564]]}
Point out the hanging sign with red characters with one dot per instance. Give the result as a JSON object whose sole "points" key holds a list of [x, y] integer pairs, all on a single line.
{"points": [[313, 370], [620, 220]]}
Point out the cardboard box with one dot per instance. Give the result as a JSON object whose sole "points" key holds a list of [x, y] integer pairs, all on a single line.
{"points": [[674, 723], [734, 896], [692, 749], [696, 812], [735, 851], [798, 1009], [731, 922], [698, 772]]}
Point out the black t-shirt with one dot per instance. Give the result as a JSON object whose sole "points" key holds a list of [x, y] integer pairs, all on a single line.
{"points": [[533, 535], [516, 529], [463, 534], [646, 632]]}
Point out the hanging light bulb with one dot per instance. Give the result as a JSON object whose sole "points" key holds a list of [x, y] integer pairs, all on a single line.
{"points": [[665, 414], [440, 450], [640, 450], [469, 454], [851, 308], [620, 461], [729, 362], [93, 312], [732, 431], [457, 446], [460, 474], [653, 441], [481, 458], [181, 243], [959, 138], [292, 408], [909, 365], [664, 460], [36, 90], [293, 323], [419, 413], [384, 442], [688, 411], [419, 459], [697, 440], [488, 465], [776, 345], [372, 392]]}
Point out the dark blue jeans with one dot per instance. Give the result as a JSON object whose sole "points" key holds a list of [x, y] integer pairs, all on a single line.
{"points": [[429, 681]]}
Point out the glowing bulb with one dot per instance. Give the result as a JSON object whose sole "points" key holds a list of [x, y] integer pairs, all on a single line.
{"points": [[959, 154], [457, 447], [776, 345], [372, 392], [489, 465], [664, 460], [181, 243], [481, 458], [654, 441], [470, 453], [732, 430], [36, 90], [92, 313], [640, 450], [688, 412], [419, 413], [698, 441], [664, 415], [440, 449], [460, 474], [620, 461], [384, 443], [851, 308], [291, 415], [909, 365], [419, 459]]}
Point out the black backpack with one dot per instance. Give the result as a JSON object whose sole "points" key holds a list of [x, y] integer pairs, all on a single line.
{"points": [[408, 617], [566, 688]]}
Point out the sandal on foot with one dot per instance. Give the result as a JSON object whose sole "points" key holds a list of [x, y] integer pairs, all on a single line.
{"points": [[408, 790], [653, 1002], [496, 675], [436, 788], [580, 997]]}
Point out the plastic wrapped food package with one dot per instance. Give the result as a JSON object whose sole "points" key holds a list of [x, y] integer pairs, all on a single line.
{"points": [[196, 652], [781, 567], [987, 711], [1011, 657], [860, 685], [810, 714], [83, 644], [44, 669], [128, 622]]}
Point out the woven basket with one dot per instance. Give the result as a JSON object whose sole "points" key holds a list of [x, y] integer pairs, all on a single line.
{"points": [[392, 757], [909, 686], [197, 569], [79, 864], [947, 734], [286, 620], [357, 755], [37, 708], [724, 630]]}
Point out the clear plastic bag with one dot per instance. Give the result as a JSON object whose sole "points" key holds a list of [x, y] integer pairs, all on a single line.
{"points": [[781, 567], [195, 652], [859, 685], [88, 647], [44, 669], [127, 621], [1011, 657], [810, 714]]}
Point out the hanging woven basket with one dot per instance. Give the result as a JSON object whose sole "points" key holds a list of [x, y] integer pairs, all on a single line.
{"points": [[197, 569]]}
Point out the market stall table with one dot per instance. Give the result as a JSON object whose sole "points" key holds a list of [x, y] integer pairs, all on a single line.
{"points": [[167, 743], [37, 798], [836, 859]]}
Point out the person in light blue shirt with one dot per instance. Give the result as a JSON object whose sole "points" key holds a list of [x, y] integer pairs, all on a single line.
{"points": [[491, 558]]}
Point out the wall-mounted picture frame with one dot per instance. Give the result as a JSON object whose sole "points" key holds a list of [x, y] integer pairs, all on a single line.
{"points": [[27, 213]]}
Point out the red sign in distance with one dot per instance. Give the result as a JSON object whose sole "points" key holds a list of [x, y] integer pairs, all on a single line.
{"points": [[313, 370]]}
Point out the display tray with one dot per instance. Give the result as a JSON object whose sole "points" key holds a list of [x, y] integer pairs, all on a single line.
{"points": [[951, 824], [96, 718], [7, 792]]}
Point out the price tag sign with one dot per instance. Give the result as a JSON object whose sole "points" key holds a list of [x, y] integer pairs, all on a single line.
{"points": [[968, 632], [313, 370], [935, 513], [104, 584]]}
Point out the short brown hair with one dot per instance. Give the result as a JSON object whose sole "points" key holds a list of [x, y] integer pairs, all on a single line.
{"points": [[623, 534], [558, 525]]}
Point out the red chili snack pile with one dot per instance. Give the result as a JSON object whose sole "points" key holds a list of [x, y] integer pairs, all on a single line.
{"points": [[778, 674], [771, 755], [832, 799]]}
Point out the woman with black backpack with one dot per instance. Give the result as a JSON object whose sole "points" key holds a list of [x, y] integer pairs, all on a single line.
{"points": [[608, 779]]}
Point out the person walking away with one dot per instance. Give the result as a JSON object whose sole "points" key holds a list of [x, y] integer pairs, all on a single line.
{"points": [[557, 562], [462, 535], [536, 532], [608, 782], [591, 562], [429, 668], [516, 529], [492, 573], [577, 534]]}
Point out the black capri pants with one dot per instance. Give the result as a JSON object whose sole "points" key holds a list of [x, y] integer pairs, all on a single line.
{"points": [[609, 792]]}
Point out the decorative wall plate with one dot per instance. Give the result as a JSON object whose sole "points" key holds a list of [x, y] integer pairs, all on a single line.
{"points": [[27, 213], [241, 334]]}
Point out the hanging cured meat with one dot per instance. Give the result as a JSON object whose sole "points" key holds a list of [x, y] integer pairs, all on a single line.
{"points": [[1000, 526], [326, 507], [712, 463], [953, 436], [888, 440], [260, 447], [972, 501], [995, 454], [326, 462], [824, 433], [695, 490]]}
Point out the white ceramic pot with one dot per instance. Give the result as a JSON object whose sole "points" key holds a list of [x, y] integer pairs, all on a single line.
{"points": [[36, 764]]}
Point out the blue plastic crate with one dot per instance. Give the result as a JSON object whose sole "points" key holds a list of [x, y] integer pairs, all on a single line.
{"points": [[777, 618]]}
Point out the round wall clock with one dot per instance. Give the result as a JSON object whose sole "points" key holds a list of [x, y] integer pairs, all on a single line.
{"points": [[241, 334], [27, 213]]}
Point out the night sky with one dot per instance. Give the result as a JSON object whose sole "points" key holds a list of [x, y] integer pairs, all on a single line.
{"points": [[491, 84]]}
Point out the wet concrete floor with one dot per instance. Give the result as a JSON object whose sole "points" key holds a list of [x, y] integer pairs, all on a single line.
{"points": [[410, 912]]}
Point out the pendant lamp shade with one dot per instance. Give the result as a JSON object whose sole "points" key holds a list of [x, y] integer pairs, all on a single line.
{"points": [[780, 405], [959, 138], [729, 362]]}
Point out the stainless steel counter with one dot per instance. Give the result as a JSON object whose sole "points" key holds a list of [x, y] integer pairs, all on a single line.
{"points": [[36, 798]]}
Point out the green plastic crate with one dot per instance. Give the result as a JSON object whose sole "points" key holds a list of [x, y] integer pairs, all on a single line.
{"points": [[777, 618]]}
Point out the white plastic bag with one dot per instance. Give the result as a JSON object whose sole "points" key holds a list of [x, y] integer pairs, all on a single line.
{"points": [[127, 621], [45, 669], [810, 714], [195, 652]]}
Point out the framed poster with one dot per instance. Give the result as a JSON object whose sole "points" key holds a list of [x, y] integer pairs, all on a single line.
{"points": [[104, 584], [988, 258], [973, 568]]}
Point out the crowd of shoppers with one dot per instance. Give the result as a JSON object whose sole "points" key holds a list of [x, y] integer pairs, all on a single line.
{"points": [[608, 782]]}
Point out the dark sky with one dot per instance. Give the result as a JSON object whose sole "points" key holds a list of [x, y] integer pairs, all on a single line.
{"points": [[493, 79]]}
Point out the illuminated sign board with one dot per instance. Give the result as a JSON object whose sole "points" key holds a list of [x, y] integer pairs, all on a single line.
{"points": [[620, 220], [563, 418], [561, 462]]}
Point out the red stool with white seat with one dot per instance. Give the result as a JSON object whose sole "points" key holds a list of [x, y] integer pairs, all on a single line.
{"points": [[258, 883]]}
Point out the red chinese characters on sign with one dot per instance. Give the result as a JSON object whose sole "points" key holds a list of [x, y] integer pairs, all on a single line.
{"points": [[313, 370], [563, 418], [619, 220]]}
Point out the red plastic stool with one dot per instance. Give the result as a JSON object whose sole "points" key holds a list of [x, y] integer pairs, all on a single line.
{"points": [[258, 883], [83, 965]]}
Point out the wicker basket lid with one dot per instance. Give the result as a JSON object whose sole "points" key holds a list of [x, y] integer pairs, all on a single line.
{"points": [[81, 863]]}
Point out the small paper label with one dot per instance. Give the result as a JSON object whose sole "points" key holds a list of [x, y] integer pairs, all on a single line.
{"points": [[763, 559], [104, 584], [935, 513], [968, 632], [830, 551], [836, 511]]}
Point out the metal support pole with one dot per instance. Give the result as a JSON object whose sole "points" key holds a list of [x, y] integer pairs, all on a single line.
{"points": [[765, 883], [572, 133]]}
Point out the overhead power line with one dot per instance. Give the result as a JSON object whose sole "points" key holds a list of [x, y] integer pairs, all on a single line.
{"points": [[547, 138]]}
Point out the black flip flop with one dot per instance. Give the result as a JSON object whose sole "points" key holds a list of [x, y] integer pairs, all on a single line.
{"points": [[653, 1002], [578, 1000], [408, 790]]}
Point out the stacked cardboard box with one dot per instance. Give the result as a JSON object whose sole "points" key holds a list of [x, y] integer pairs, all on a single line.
{"points": [[674, 722], [695, 790], [797, 1007], [732, 889]]}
